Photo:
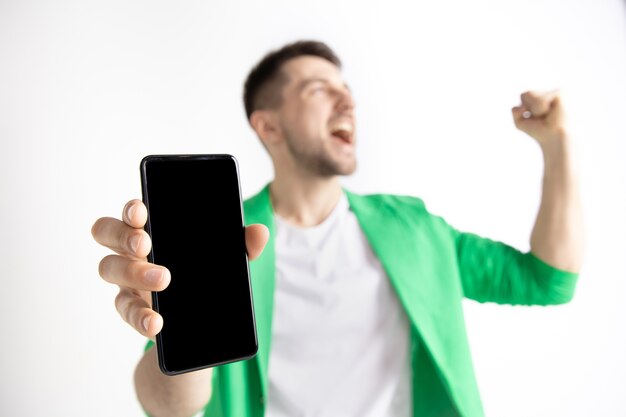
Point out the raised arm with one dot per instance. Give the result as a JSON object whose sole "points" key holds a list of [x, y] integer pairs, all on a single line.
{"points": [[493, 271], [557, 237]]}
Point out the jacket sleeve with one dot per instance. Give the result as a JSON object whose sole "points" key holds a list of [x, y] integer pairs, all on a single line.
{"points": [[492, 271]]}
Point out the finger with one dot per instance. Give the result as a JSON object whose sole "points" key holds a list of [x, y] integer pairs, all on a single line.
{"points": [[121, 238], [135, 214], [138, 275], [538, 103], [520, 112], [524, 121], [136, 311], [257, 236], [556, 109]]}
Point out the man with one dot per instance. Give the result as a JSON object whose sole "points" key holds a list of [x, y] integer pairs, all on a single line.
{"points": [[358, 298]]}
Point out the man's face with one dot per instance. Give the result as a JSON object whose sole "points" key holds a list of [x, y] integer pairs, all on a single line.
{"points": [[316, 117]]}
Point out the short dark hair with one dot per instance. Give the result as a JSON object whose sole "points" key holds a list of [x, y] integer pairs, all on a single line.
{"points": [[262, 87]]}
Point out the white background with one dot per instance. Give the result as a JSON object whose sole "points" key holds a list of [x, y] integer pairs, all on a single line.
{"points": [[88, 88]]}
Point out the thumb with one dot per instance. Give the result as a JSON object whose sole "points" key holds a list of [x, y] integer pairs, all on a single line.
{"points": [[257, 236]]}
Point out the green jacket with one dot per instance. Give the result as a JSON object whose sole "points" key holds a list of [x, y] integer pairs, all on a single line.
{"points": [[432, 267]]}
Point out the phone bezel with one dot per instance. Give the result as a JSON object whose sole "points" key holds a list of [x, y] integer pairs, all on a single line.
{"points": [[155, 299]]}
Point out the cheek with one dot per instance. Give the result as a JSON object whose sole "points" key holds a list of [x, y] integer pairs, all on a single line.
{"points": [[309, 119], [316, 117]]}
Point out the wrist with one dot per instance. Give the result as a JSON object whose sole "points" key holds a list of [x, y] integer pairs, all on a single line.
{"points": [[557, 149], [560, 163]]}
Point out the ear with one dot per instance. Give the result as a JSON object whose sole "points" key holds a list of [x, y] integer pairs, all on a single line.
{"points": [[265, 125]]}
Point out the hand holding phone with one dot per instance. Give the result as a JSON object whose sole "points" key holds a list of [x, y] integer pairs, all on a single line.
{"points": [[195, 220], [128, 268]]}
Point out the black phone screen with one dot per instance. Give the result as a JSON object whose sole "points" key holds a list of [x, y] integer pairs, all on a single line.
{"points": [[195, 220]]}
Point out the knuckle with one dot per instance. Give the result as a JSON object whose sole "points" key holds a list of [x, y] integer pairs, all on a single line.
{"points": [[130, 271], [529, 97], [122, 238]]}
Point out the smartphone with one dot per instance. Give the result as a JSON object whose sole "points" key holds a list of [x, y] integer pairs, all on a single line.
{"points": [[196, 223]]}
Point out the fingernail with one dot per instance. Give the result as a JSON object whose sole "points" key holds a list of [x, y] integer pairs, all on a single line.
{"points": [[130, 211], [134, 242], [154, 276], [146, 323]]}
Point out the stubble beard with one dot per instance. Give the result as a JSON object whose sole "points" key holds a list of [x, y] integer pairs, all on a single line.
{"points": [[317, 161]]}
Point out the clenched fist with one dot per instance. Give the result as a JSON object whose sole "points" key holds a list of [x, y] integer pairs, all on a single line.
{"points": [[541, 116]]}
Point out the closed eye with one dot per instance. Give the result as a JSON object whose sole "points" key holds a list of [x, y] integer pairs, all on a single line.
{"points": [[318, 89]]}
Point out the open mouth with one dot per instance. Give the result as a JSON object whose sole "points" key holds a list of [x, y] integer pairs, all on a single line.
{"points": [[343, 132]]}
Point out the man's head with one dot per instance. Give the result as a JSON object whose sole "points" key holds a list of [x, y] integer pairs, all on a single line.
{"points": [[301, 109]]}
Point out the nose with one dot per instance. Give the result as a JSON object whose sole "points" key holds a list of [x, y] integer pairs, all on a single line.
{"points": [[345, 101]]}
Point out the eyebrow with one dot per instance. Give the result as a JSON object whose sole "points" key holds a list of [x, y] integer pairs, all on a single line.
{"points": [[308, 81]]}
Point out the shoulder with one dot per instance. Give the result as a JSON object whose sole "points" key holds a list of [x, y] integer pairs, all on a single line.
{"points": [[409, 210], [392, 202]]}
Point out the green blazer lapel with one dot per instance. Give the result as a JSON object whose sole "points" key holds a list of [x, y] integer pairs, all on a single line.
{"points": [[410, 250], [258, 209], [394, 244]]}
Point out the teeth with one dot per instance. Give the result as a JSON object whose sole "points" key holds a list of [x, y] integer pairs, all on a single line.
{"points": [[346, 127]]}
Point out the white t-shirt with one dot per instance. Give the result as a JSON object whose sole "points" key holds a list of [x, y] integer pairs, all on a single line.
{"points": [[340, 339]]}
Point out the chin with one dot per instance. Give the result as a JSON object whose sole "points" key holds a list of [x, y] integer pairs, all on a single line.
{"points": [[345, 169], [329, 167], [350, 170]]}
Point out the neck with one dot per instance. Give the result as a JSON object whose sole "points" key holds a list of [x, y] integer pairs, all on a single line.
{"points": [[304, 202]]}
